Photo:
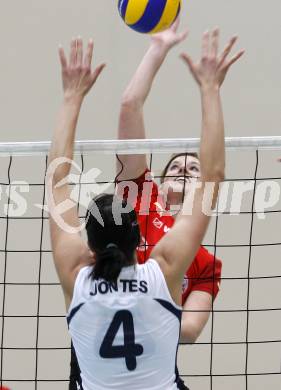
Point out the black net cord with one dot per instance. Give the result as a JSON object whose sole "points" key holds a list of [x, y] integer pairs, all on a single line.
{"points": [[149, 211], [258, 179], [214, 281], [39, 278], [148, 216], [80, 185], [249, 269], [5, 273]]}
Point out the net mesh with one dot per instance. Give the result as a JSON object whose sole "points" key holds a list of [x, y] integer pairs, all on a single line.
{"points": [[240, 346]]}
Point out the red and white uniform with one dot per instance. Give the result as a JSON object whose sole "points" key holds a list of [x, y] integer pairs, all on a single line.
{"points": [[204, 274]]}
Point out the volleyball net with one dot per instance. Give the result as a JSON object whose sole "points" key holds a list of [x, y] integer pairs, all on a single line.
{"points": [[240, 348]]}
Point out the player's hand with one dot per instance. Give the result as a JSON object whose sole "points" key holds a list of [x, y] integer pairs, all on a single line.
{"points": [[170, 37], [78, 77], [213, 67]]}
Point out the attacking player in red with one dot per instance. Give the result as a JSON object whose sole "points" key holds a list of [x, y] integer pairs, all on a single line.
{"points": [[155, 203]]}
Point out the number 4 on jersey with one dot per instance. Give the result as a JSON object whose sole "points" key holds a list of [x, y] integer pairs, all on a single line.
{"points": [[129, 351]]}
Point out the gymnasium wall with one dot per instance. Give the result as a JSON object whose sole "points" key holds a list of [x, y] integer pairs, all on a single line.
{"points": [[31, 30]]}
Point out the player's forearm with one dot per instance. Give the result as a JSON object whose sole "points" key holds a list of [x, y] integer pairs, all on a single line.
{"points": [[192, 328], [196, 312], [64, 135], [212, 147], [141, 83], [131, 121], [188, 334]]}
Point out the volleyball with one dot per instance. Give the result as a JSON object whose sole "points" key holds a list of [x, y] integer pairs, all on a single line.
{"points": [[149, 16]]}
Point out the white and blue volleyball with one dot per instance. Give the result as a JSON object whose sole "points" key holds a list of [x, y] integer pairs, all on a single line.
{"points": [[149, 16]]}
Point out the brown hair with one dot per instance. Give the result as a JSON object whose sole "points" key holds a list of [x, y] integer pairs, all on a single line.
{"points": [[173, 157]]}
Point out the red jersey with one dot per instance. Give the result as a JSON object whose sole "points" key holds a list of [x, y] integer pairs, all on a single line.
{"points": [[204, 274]]}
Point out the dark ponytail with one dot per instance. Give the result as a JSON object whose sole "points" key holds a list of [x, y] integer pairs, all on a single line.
{"points": [[109, 263], [114, 245]]}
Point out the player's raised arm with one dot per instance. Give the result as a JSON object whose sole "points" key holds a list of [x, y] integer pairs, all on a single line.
{"points": [[69, 250], [177, 249], [210, 73], [131, 121]]}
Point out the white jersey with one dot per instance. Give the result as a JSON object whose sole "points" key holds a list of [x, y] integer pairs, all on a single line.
{"points": [[126, 335]]}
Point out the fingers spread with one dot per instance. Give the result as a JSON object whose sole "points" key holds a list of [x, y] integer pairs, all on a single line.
{"points": [[182, 36], [89, 54], [63, 59], [227, 50], [176, 24], [79, 52], [73, 52], [187, 59], [235, 58], [205, 44], [97, 72], [215, 42]]}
